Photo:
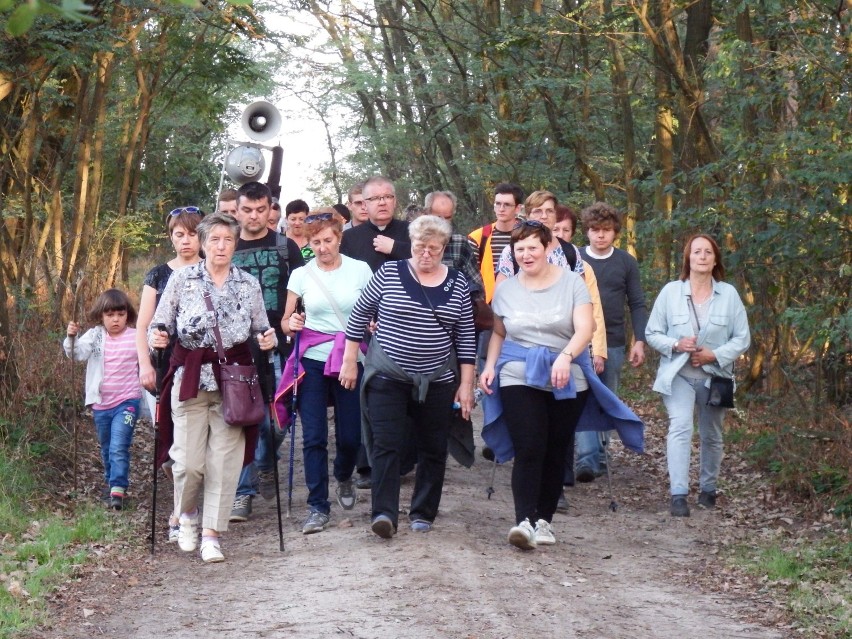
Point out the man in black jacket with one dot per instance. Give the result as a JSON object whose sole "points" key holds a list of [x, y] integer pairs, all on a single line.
{"points": [[382, 237]]}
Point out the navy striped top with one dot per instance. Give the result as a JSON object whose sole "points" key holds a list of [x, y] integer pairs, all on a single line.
{"points": [[407, 329]]}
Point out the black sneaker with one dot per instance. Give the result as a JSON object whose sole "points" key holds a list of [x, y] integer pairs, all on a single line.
{"points": [[116, 502], [562, 504], [707, 499], [266, 484], [241, 509], [364, 482], [584, 475], [679, 506], [346, 495]]}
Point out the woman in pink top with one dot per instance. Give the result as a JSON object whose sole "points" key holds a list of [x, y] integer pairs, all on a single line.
{"points": [[112, 383]]}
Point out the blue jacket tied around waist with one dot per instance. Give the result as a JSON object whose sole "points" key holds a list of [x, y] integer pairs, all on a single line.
{"points": [[603, 410]]}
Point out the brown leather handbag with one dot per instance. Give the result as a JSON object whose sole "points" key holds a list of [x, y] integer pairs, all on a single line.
{"points": [[242, 399]]}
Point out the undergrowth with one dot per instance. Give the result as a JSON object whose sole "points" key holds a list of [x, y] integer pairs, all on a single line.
{"points": [[47, 530], [813, 575]]}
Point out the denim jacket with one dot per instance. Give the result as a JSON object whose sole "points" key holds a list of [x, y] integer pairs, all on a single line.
{"points": [[726, 332]]}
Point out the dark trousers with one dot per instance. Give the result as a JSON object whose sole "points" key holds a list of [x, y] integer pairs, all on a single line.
{"points": [[427, 426], [542, 429]]}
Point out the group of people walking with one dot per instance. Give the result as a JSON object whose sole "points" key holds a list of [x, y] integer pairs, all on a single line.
{"points": [[379, 323]]}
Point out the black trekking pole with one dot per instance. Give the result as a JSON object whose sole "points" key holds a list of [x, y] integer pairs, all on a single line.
{"points": [[267, 368], [488, 454], [158, 387]]}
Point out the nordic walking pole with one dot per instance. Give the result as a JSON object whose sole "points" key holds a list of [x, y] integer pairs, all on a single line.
{"points": [[158, 388], [74, 410], [488, 454], [74, 382], [300, 308], [267, 369]]}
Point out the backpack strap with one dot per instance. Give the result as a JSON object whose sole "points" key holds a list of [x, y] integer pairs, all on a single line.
{"points": [[486, 233], [570, 253], [283, 251]]}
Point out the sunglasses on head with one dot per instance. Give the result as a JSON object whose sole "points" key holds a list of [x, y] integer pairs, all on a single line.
{"points": [[531, 223], [187, 209], [319, 217]]}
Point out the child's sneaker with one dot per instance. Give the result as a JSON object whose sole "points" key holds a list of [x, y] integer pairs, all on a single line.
{"points": [[116, 498], [174, 532]]}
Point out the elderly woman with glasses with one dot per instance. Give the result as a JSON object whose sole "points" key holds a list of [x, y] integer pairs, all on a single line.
{"points": [[182, 226], [420, 378], [328, 287], [201, 305]]}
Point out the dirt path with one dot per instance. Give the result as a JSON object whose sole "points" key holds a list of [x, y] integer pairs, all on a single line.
{"points": [[625, 574]]}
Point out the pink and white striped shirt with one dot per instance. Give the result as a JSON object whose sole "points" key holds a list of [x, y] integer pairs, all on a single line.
{"points": [[121, 370]]}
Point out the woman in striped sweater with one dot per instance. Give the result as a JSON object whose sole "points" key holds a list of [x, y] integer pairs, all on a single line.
{"points": [[419, 365]]}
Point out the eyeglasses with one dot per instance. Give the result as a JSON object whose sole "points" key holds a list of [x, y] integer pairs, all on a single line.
{"points": [[531, 223], [504, 205], [319, 217], [380, 198], [543, 212], [420, 249], [187, 209]]}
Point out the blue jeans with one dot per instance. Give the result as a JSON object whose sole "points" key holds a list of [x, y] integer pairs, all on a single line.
{"points": [[687, 394], [315, 391], [262, 455], [114, 427], [590, 443]]}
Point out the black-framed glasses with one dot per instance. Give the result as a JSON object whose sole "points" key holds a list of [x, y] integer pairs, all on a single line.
{"points": [[380, 198], [319, 217], [187, 209], [531, 223]]}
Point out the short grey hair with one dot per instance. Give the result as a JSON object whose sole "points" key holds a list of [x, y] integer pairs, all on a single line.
{"points": [[430, 197], [378, 179], [217, 219], [426, 227]]}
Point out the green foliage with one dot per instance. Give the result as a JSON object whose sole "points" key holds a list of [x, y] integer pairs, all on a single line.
{"points": [[812, 574], [52, 550]]}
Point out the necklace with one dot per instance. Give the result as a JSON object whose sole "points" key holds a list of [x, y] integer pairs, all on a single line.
{"points": [[703, 301]]}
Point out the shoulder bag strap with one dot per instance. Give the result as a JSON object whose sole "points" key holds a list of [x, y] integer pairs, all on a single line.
{"points": [[328, 296], [220, 349], [429, 302], [694, 314]]}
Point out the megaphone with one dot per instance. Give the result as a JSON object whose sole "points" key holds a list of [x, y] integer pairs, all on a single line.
{"points": [[261, 121], [244, 164]]}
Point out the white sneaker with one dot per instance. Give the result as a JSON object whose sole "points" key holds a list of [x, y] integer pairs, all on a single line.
{"points": [[523, 535], [211, 553], [544, 533], [174, 532], [188, 534]]}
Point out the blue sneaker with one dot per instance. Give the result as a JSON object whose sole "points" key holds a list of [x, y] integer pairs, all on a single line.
{"points": [[421, 525], [383, 526]]}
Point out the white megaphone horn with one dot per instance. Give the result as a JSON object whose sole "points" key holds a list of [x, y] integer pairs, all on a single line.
{"points": [[261, 121]]}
